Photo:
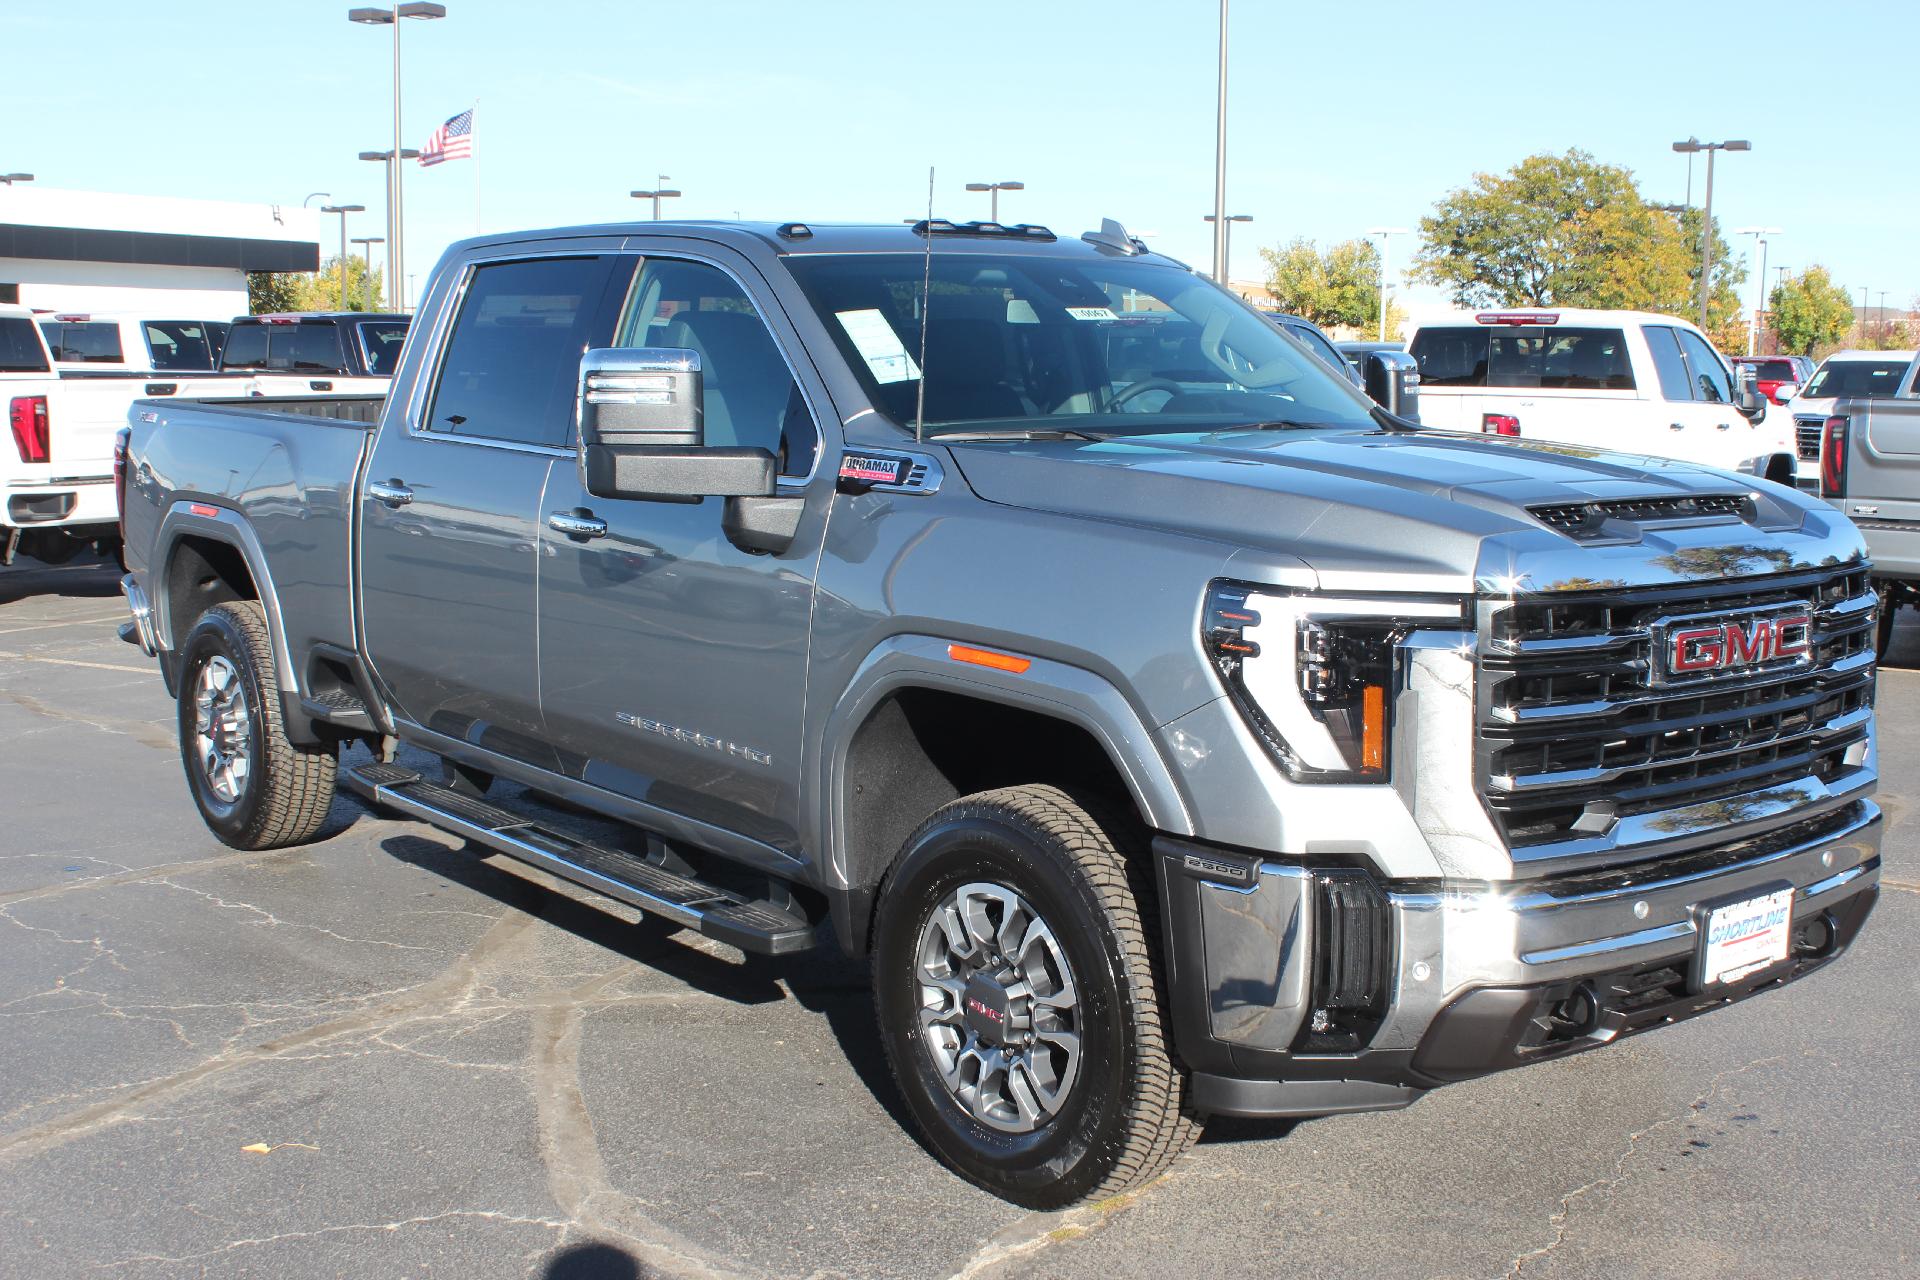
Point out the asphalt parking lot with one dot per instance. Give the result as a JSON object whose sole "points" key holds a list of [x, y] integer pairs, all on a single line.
{"points": [[384, 1055]]}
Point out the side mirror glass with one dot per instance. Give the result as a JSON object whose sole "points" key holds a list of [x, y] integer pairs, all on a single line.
{"points": [[1785, 392], [641, 418], [1391, 380]]}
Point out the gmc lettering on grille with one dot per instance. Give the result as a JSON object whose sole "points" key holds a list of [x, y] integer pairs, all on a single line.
{"points": [[1726, 646]]}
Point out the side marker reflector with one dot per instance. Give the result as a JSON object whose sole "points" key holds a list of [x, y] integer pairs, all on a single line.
{"points": [[988, 658]]}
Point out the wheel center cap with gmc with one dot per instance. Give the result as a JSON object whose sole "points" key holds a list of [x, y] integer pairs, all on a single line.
{"points": [[988, 1011]]}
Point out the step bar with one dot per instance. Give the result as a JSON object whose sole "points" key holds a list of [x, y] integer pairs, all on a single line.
{"points": [[757, 927]]}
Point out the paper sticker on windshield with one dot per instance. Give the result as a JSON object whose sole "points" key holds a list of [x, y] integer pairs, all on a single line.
{"points": [[1092, 313], [878, 345]]}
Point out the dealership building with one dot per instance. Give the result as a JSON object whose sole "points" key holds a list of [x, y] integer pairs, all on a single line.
{"points": [[98, 251]]}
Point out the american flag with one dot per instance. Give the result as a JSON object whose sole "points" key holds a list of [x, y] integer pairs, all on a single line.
{"points": [[451, 141]]}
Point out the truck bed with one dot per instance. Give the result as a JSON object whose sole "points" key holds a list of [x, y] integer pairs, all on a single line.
{"points": [[282, 476]]}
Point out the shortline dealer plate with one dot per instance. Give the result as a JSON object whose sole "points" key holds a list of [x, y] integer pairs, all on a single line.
{"points": [[1739, 939]]}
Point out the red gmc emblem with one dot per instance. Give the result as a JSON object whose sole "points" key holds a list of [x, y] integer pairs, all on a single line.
{"points": [[1693, 648]]}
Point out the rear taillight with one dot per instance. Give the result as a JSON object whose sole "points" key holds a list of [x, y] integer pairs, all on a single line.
{"points": [[120, 438], [1499, 424], [1833, 458], [27, 415]]}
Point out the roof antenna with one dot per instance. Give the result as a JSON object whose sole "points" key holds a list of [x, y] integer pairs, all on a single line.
{"points": [[926, 296]]}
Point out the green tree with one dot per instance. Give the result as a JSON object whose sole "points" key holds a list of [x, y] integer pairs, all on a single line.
{"points": [[1569, 231], [1808, 311], [322, 289], [269, 291], [1338, 287]]}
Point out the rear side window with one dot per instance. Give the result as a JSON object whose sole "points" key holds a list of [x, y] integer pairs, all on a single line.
{"points": [[380, 345], [88, 342], [179, 345], [20, 349], [1675, 382], [305, 348], [246, 347], [1709, 376], [513, 358], [1451, 357], [1562, 358]]}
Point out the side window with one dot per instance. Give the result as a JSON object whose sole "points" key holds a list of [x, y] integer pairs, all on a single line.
{"points": [[313, 348], [513, 358], [751, 399], [1674, 382], [246, 347], [96, 342], [1709, 375], [1451, 357]]}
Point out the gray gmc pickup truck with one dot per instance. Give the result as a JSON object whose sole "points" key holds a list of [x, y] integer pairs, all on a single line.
{"points": [[1178, 732], [1869, 453]]}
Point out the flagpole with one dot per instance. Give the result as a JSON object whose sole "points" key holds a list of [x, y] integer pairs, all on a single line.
{"points": [[473, 142]]}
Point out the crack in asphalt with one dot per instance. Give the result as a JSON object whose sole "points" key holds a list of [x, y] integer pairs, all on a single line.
{"points": [[491, 1215], [1560, 1218]]}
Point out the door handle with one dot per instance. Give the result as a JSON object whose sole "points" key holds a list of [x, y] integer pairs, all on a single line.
{"points": [[579, 524], [1676, 426], [1724, 426], [392, 492]]}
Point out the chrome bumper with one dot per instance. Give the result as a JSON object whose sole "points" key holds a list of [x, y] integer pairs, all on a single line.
{"points": [[139, 629]]}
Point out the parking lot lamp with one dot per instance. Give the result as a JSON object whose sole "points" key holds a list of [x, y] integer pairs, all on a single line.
{"points": [[660, 192], [1386, 235], [994, 189], [1220, 161], [388, 158], [423, 11], [367, 243], [1760, 235], [1227, 241], [343, 210], [1690, 146], [11, 178]]}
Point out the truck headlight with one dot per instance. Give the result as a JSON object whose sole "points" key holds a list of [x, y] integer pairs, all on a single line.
{"points": [[1314, 674]]}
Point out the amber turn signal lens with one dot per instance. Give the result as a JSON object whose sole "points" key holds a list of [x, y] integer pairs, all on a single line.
{"points": [[988, 658], [1373, 728]]}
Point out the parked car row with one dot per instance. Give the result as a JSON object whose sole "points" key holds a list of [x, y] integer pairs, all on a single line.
{"points": [[68, 378]]}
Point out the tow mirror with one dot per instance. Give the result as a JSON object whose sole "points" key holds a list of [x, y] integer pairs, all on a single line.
{"points": [[641, 418], [1785, 392], [1747, 398], [1392, 380]]}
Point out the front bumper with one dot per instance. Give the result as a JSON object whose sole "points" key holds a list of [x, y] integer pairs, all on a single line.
{"points": [[1310, 989]]}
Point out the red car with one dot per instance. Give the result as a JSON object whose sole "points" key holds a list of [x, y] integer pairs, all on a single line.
{"points": [[1773, 372]]}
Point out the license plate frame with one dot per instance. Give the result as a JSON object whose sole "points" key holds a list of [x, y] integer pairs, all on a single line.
{"points": [[1742, 935]]}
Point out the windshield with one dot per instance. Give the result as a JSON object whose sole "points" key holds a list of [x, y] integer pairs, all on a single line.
{"points": [[1854, 379], [380, 341], [179, 344], [20, 349], [1037, 343]]}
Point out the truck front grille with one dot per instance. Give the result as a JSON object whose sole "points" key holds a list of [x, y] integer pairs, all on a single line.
{"points": [[1576, 733], [1806, 435]]}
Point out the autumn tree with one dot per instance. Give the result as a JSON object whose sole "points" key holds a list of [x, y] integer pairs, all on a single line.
{"points": [[1340, 286], [271, 291], [1808, 311]]}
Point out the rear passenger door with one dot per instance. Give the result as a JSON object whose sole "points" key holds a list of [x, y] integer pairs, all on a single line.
{"points": [[449, 548], [1698, 413]]}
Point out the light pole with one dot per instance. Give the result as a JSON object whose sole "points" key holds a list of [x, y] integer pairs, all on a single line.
{"points": [[1863, 315], [316, 195], [1759, 235], [343, 210], [11, 178], [388, 158], [995, 188], [1220, 161], [1226, 281], [660, 192], [367, 243], [1386, 235], [396, 206], [1690, 146]]}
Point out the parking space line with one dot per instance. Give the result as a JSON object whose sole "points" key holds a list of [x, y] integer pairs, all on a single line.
{"points": [[74, 662], [70, 622]]}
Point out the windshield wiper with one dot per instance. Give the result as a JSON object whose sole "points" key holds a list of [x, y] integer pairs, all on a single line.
{"points": [[1019, 433]]}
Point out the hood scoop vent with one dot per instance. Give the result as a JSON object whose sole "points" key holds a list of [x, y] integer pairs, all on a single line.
{"points": [[1588, 520]]}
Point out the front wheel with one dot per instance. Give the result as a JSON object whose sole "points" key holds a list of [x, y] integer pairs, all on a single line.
{"points": [[1014, 978], [254, 787]]}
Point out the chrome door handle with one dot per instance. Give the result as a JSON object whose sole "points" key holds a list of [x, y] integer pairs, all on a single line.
{"points": [[578, 524], [392, 492], [1676, 426], [1724, 426]]}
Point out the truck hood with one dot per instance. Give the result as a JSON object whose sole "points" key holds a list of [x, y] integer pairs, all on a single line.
{"points": [[1365, 509]]}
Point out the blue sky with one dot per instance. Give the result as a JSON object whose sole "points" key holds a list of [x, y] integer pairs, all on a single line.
{"points": [[1342, 116]]}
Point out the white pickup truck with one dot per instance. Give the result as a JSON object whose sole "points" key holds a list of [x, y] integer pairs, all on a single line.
{"points": [[56, 464], [88, 343], [1628, 381]]}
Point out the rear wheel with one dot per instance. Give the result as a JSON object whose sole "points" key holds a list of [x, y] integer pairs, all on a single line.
{"points": [[254, 787], [1014, 976]]}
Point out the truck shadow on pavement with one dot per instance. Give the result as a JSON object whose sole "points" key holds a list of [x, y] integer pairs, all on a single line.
{"points": [[89, 579], [822, 981]]}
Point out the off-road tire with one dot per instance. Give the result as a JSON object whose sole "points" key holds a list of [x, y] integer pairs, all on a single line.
{"points": [[1124, 1120], [288, 788]]}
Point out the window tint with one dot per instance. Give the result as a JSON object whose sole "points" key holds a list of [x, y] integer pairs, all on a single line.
{"points": [[179, 344], [1451, 357], [1675, 383], [305, 348], [93, 342], [1771, 370], [380, 345], [1319, 346], [1857, 379], [246, 347], [1709, 375], [20, 349], [513, 358], [749, 397]]}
